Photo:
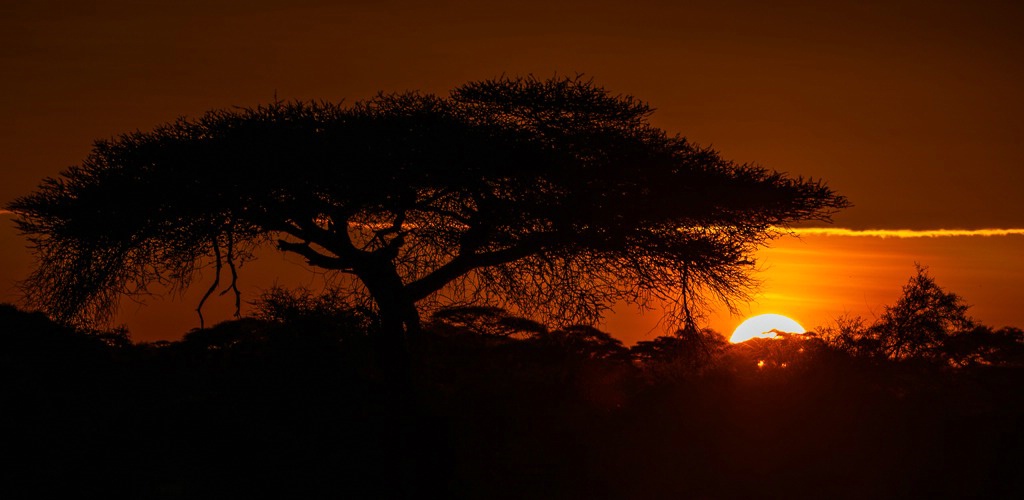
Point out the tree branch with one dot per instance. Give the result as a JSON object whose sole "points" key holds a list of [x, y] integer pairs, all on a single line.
{"points": [[464, 263], [313, 257], [218, 265]]}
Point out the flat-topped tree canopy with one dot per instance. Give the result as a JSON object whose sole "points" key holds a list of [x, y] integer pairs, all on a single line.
{"points": [[552, 197]]}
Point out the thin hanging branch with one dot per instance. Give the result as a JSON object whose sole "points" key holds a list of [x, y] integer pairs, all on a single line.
{"points": [[218, 265], [234, 275]]}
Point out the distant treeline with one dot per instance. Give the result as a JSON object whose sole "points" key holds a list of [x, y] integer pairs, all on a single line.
{"points": [[296, 402]]}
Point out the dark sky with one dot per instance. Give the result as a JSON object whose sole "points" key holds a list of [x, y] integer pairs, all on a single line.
{"points": [[911, 109]]}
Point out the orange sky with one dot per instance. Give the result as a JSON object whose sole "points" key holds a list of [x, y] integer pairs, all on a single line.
{"points": [[911, 109], [815, 279]]}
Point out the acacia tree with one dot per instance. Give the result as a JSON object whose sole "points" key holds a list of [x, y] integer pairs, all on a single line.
{"points": [[552, 198]]}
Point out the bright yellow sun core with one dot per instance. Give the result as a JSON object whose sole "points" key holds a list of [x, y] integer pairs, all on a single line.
{"points": [[764, 326]]}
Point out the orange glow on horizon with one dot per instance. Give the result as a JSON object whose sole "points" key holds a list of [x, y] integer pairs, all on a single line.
{"points": [[906, 233], [821, 276]]}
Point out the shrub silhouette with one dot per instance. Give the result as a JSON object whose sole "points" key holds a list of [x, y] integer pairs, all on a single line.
{"points": [[304, 309], [485, 320], [33, 333], [684, 355], [985, 346]]}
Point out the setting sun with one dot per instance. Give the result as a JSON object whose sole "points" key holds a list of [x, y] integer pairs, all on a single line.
{"points": [[765, 326]]}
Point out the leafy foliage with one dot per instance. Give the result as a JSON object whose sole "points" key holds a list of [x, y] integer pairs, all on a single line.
{"points": [[484, 320], [302, 305], [552, 198]]}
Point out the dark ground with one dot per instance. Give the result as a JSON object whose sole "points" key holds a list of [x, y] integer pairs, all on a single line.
{"points": [[253, 409]]}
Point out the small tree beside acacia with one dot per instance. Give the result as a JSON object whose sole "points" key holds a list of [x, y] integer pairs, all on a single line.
{"points": [[553, 198]]}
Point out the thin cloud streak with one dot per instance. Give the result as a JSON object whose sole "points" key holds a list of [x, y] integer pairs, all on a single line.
{"points": [[904, 233]]}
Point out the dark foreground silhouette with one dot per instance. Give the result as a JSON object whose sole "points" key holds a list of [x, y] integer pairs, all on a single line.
{"points": [[555, 196], [496, 408]]}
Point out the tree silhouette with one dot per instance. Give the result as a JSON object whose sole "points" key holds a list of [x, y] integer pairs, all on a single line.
{"points": [[925, 323], [552, 198], [922, 319]]}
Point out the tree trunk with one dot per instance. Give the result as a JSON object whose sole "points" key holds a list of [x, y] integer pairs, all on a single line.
{"points": [[398, 316], [391, 339], [398, 320]]}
